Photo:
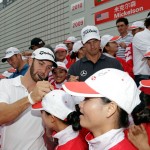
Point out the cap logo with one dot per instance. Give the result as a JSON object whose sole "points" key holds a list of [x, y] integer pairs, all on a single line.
{"points": [[40, 42], [88, 31], [93, 78], [8, 52], [46, 53], [83, 73]]}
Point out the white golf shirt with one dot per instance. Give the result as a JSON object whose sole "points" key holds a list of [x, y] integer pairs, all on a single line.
{"points": [[141, 42], [26, 131]]}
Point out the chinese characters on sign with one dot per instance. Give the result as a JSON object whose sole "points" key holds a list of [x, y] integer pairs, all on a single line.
{"points": [[125, 9]]}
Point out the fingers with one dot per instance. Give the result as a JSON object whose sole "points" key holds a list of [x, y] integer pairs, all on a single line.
{"points": [[40, 90], [73, 78]]}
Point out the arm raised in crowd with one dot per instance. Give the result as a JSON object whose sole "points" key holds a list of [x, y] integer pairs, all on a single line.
{"points": [[10, 112]]}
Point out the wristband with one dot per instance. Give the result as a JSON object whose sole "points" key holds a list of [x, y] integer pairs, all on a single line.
{"points": [[30, 99]]}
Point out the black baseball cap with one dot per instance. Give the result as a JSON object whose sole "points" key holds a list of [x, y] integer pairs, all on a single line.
{"points": [[36, 42]]}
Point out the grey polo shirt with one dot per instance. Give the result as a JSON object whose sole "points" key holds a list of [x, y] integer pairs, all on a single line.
{"points": [[84, 68]]}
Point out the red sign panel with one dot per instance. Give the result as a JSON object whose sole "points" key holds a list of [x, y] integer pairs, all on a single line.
{"points": [[125, 9], [99, 2]]}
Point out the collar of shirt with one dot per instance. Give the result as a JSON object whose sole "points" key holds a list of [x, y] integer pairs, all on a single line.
{"points": [[106, 54], [65, 61], [129, 34], [105, 141], [84, 59], [24, 68], [66, 135]]}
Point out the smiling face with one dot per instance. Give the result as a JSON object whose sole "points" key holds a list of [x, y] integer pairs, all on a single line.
{"points": [[61, 55], [40, 69], [59, 75], [98, 116]]}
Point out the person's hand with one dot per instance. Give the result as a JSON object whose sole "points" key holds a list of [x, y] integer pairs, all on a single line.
{"points": [[73, 78], [40, 90], [25, 53], [123, 45], [138, 136]]}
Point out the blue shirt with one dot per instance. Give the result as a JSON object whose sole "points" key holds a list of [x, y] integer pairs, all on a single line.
{"points": [[21, 72]]}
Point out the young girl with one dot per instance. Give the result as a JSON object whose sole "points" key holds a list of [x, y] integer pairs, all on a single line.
{"points": [[58, 114], [110, 95], [109, 46], [59, 75]]}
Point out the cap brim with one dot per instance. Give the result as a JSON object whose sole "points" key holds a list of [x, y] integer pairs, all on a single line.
{"points": [[90, 37], [145, 86], [115, 38], [80, 89], [132, 27], [65, 42], [147, 55], [37, 106]]}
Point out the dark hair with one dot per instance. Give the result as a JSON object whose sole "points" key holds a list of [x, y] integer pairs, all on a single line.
{"points": [[73, 55], [147, 22], [125, 20], [123, 115], [74, 120], [104, 49], [141, 114]]}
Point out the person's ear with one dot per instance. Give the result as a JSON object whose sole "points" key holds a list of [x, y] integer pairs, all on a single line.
{"points": [[52, 118], [30, 61], [111, 109]]}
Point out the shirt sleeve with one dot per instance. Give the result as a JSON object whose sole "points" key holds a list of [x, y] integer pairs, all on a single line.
{"points": [[4, 96]]}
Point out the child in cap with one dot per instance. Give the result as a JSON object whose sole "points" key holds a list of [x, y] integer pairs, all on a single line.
{"points": [[109, 46], [61, 55], [78, 51], [59, 75], [58, 114], [110, 96]]}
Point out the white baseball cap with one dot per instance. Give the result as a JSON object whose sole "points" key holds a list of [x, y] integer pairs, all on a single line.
{"points": [[10, 52], [60, 47], [70, 39], [76, 46], [108, 38], [44, 54], [145, 86], [113, 84], [61, 65], [137, 24], [89, 32], [57, 103]]}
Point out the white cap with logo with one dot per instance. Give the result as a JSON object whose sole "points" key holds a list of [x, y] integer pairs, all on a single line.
{"points": [[10, 52], [44, 54], [89, 32], [113, 84], [57, 103]]}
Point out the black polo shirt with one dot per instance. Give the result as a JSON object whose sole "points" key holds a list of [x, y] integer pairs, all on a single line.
{"points": [[84, 68]]}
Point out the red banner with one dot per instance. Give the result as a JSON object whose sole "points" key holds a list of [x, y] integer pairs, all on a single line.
{"points": [[125, 9], [99, 2]]}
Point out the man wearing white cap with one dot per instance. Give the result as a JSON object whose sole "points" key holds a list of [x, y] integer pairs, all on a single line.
{"points": [[94, 60], [20, 128], [140, 44], [14, 58]]}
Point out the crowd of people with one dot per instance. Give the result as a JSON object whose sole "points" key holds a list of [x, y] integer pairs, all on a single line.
{"points": [[92, 93]]}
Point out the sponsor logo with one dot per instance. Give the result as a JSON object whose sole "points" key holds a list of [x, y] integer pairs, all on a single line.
{"points": [[89, 31], [83, 73]]}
